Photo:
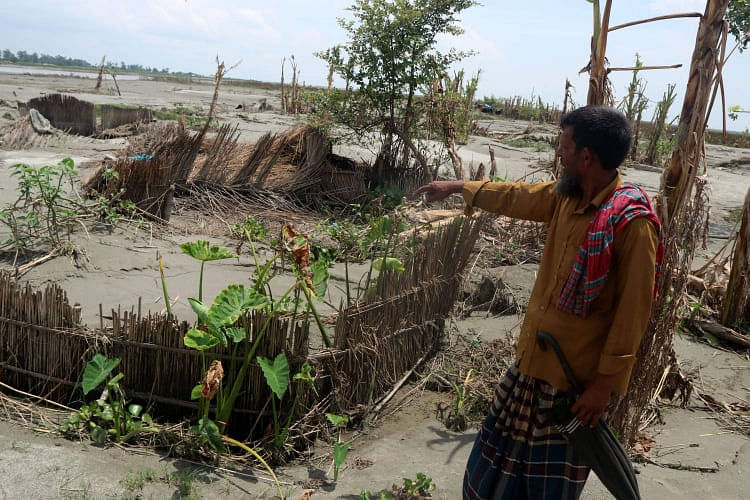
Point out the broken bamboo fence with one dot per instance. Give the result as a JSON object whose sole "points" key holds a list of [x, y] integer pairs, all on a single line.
{"points": [[44, 347], [377, 342], [66, 113], [114, 116]]}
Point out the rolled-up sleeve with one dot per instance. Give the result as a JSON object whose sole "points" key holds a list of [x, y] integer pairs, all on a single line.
{"points": [[535, 202], [635, 248]]}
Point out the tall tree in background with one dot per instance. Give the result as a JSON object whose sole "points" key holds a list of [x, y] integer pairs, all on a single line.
{"points": [[390, 57]]}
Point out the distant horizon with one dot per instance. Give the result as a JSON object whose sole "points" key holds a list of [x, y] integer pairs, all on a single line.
{"points": [[521, 48]]}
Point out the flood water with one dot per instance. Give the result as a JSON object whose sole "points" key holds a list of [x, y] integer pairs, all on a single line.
{"points": [[37, 71]]}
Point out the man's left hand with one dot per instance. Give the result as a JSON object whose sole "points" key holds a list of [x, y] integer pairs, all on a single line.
{"points": [[596, 396]]}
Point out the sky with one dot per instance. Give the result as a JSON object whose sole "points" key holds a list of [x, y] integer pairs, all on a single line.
{"points": [[523, 48]]}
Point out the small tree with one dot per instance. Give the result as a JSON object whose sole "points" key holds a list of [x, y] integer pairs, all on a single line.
{"points": [[452, 109], [738, 15], [391, 55], [659, 122]]}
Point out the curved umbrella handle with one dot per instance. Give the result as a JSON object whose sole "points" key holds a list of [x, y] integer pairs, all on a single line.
{"points": [[542, 338]]}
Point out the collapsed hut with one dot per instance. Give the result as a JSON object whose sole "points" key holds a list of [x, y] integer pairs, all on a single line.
{"points": [[298, 164]]}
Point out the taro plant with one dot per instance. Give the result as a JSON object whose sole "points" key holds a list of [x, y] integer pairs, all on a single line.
{"points": [[216, 325], [205, 252], [276, 373], [225, 323], [340, 450], [109, 417]]}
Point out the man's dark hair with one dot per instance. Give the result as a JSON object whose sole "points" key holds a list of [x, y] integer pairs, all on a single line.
{"points": [[603, 130]]}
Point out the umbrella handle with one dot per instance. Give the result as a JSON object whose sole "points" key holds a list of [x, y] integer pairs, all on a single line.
{"points": [[542, 338]]}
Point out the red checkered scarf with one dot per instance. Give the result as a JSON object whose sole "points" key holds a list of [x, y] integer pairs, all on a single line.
{"points": [[591, 267]]}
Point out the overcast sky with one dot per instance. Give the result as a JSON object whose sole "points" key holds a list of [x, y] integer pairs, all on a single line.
{"points": [[523, 47]]}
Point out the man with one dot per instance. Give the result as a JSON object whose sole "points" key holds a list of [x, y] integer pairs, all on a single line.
{"points": [[593, 293]]}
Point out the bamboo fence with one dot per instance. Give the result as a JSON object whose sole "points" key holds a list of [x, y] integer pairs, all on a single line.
{"points": [[44, 347], [66, 113], [113, 116], [402, 324]]}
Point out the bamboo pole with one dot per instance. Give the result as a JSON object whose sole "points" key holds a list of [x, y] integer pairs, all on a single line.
{"points": [[658, 18], [641, 68], [597, 71]]}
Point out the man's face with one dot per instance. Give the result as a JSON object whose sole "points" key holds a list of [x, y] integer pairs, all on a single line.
{"points": [[571, 160]]}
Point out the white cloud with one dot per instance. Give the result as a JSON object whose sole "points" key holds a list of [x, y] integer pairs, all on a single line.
{"points": [[677, 6]]}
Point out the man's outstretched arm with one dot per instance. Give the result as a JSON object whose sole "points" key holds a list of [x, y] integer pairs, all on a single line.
{"points": [[519, 200]]}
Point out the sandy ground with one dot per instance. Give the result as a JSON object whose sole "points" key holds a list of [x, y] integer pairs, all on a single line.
{"points": [[122, 267]]}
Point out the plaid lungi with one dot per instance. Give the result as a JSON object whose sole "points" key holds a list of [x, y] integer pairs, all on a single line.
{"points": [[518, 454]]}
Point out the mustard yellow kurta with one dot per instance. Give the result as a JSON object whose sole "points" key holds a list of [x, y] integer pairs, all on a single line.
{"points": [[606, 340]]}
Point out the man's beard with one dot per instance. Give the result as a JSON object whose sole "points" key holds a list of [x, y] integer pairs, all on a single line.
{"points": [[568, 185]]}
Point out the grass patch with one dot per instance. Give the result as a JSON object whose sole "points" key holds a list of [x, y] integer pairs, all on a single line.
{"points": [[135, 482], [184, 480], [537, 146], [98, 107]]}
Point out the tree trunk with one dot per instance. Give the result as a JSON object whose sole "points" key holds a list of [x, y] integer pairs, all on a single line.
{"points": [[679, 176], [101, 73], [598, 73], [681, 206], [737, 300]]}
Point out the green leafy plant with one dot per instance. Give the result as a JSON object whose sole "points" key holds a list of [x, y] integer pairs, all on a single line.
{"points": [[456, 419], [109, 417], [416, 489], [205, 252], [277, 376], [390, 56], [43, 209], [340, 449]]}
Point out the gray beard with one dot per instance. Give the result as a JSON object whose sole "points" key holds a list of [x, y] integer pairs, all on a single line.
{"points": [[568, 186]]}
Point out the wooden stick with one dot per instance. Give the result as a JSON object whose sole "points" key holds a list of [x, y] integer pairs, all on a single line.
{"points": [[396, 387], [40, 398], [642, 68], [658, 18]]}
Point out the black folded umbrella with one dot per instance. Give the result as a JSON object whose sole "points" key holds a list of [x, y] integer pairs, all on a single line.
{"points": [[596, 446]]}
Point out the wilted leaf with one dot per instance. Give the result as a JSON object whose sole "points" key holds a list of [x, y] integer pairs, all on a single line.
{"points": [[297, 245], [276, 374], [203, 250], [200, 340], [212, 381], [232, 302], [96, 371]]}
